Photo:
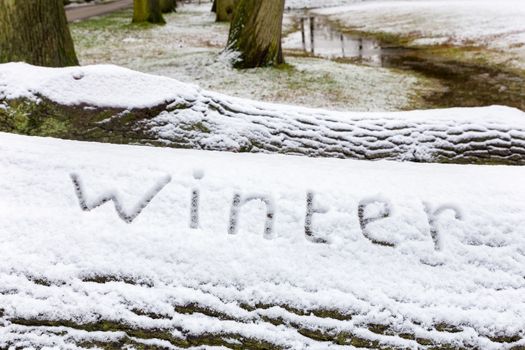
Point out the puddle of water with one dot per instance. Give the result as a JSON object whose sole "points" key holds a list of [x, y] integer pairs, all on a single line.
{"points": [[466, 84], [319, 38]]}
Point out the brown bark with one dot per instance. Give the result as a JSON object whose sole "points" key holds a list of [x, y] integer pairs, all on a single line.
{"points": [[36, 32], [256, 33]]}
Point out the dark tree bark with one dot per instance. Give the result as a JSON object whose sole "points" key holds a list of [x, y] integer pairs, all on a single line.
{"points": [[167, 6], [36, 32], [147, 11], [214, 6], [256, 33], [224, 10]]}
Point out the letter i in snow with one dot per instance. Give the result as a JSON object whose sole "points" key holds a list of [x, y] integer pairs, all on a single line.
{"points": [[195, 197]]}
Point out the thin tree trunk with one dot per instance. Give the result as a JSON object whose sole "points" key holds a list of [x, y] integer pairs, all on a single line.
{"points": [[147, 11], [256, 33], [224, 10], [36, 32]]}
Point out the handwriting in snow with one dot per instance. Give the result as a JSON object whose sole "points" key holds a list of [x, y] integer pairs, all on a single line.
{"points": [[239, 200]]}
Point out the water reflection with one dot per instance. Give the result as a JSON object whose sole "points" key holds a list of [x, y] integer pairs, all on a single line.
{"points": [[321, 39], [463, 84]]}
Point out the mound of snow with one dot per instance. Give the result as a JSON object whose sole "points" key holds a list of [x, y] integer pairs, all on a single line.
{"points": [[100, 85], [127, 234]]}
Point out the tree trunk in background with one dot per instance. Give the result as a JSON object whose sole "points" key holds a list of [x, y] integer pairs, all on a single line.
{"points": [[224, 10], [36, 32], [147, 11], [214, 6], [256, 33], [167, 6]]}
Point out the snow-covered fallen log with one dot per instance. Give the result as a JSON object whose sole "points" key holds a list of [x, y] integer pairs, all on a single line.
{"points": [[112, 104], [113, 245]]}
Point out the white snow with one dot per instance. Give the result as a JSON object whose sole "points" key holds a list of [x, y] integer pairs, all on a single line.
{"points": [[494, 24], [474, 281], [101, 85]]}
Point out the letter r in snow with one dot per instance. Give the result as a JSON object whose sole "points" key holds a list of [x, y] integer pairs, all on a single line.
{"points": [[432, 216]]}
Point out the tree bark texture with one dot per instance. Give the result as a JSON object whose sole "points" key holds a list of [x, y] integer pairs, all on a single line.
{"points": [[147, 11], [36, 32], [220, 123], [255, 33]]}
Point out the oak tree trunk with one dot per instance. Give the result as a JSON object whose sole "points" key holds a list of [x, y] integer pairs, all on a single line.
{"points": [[36, 32], [147, 11], [224, 10], [167, 6], [255, 33]]}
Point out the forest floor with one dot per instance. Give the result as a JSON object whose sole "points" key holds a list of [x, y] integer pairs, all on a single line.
{"points": [[410, 70], [189, 48]]}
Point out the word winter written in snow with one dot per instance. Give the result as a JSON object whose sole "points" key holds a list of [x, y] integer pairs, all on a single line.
{"points": [[239, 200]]}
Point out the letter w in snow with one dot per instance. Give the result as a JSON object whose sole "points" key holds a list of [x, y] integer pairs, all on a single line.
{"points": [[107, 197]]}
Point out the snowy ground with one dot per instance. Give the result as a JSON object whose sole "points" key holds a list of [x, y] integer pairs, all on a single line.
{"points": [[456, 280], [498, 25], [188, 48]]}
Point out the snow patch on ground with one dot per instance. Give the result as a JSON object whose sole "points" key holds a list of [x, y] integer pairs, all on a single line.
{"points": [[496, 24], [188, 48]]}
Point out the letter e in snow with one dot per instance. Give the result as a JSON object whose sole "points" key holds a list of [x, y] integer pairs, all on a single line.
{"points": [[365, 221]]}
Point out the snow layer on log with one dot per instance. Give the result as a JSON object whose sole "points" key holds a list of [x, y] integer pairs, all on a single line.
{"points": [[101, 86], [199, 119], [102, 243]]}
